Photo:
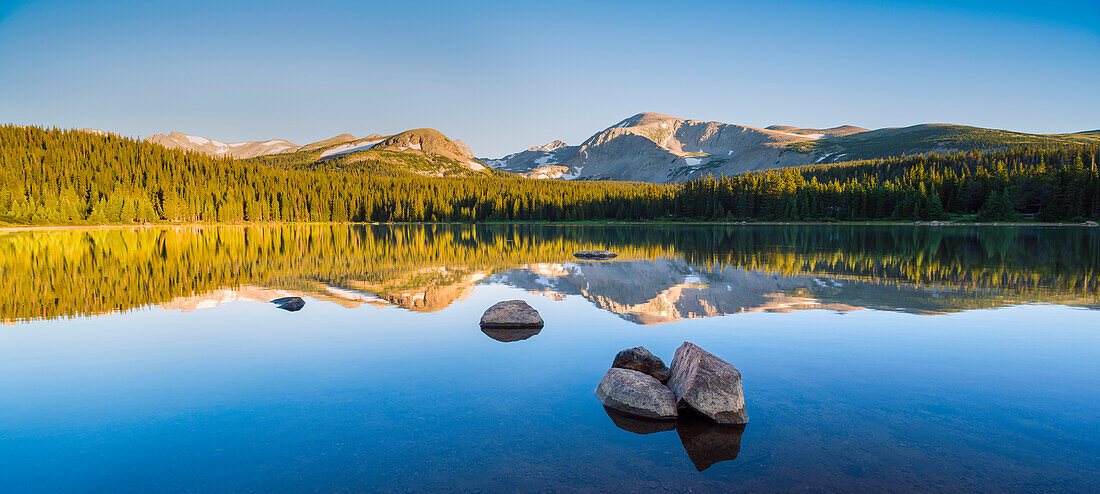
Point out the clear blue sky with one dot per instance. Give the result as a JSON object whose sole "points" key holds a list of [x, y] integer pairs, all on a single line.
{"points": [[508, 75]]}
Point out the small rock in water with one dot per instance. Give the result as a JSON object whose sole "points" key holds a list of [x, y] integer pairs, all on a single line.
{"points": [[292, 304], [707, 384], [636, 393], [511, 314], [595, 254], [706, 442], [636, 424], [641, 360]]}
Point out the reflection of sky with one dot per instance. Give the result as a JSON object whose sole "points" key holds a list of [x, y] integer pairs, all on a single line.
{"points": [[246, 396]]}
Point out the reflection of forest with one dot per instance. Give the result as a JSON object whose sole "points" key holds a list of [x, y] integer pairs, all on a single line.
{"points": [[662, 274]]}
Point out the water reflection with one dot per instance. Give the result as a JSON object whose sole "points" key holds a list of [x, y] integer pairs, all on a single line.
{"points": [[705, 441], [638, 425], [507, 335], [663, 274]]}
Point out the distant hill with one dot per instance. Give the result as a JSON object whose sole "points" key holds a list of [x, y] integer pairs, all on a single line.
{"points": [[423, 151], [843, 130], [930, 138], [246, 149], [652, 147]]}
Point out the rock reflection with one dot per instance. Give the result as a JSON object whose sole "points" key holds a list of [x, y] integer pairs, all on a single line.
{"points": [[507, 335], [707, 442], [638, 425]]}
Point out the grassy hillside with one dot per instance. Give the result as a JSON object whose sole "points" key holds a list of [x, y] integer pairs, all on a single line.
{"points": [[931, 138], [425, 152]]}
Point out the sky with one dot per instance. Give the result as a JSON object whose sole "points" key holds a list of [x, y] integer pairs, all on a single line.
{"points": [[505, 76]]}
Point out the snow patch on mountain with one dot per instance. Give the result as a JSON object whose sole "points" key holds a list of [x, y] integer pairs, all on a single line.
{"points": [[350, 147]]}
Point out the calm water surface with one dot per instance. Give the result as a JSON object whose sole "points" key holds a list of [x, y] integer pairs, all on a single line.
{"points": [[874, 358]]}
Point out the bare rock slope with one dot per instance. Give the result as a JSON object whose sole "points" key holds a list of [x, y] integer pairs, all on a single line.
{"points": [[651, 147]]}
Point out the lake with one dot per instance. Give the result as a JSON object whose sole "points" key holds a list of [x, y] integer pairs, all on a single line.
{"points": [[899, 358]]}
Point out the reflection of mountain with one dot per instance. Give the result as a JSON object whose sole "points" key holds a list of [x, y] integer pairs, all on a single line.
{"points": [[663, 273], [425, 290], [340, 296], [664, 290]]}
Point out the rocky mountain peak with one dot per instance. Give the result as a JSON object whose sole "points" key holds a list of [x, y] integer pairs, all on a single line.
{"points": [[550, 146]]}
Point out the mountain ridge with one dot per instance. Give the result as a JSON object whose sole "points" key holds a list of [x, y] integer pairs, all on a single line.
{"points": [[653, 147], [424, 151]]}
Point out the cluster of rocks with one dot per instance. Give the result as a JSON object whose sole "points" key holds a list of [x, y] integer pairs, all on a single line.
{"points": [[700, 398], [597, 255], [511, 320], [697, 381], [292, 304]]}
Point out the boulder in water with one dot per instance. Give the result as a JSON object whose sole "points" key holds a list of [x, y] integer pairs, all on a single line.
{"points": [[641, 360], [292, 304], [511, 314], [595, 254], [636, 393], [708, 385]]}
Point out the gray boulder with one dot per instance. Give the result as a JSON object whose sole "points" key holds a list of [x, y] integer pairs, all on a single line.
{"points": [[292, 304], [595, 254], [641, 360], [636, 393], [511, 314], [708, 385]]}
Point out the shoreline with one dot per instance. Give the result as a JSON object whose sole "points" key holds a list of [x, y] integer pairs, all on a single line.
{"points": [[12, 228]]}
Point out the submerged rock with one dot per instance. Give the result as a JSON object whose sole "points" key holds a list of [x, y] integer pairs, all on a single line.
{"points": [[708, 385], [641, 360], [511, 314], [292, 304], [507, 335], [636, 424], [706, 442], [595, 254], [636, 393]]}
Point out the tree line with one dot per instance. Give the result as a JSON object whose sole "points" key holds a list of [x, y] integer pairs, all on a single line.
{"points": [[1047, 184], [50, 176]]}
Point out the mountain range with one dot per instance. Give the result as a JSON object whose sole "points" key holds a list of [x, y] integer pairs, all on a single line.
{"points": [[422, 151], [651, 147], [647, 147]]}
